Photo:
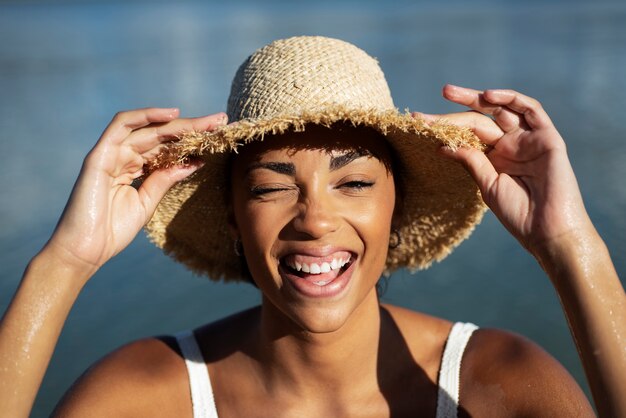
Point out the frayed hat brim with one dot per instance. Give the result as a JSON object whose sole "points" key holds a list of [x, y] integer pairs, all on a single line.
{"points": [[441, 202]]}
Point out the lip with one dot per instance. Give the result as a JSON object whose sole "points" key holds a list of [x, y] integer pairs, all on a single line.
{"points": [[308, 289], [317, 251]]}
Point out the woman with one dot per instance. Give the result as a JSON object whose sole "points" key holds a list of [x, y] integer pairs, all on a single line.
{"points": [[330, 188]]}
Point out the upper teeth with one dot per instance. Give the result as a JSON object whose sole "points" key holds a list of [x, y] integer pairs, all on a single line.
{"points": [[315, 268]]}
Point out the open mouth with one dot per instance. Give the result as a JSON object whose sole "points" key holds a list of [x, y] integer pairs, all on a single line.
{"points": [[320, 271]]}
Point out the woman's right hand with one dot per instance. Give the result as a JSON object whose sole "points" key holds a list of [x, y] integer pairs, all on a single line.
{"points": [[105, 212], [102, 216]]}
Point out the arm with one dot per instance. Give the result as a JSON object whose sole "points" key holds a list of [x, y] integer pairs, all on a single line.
{"points": [[594, 303], [102, 216], [527, 181]]}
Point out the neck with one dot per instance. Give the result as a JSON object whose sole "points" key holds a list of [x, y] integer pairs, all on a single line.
{"points": [[310, 362]]}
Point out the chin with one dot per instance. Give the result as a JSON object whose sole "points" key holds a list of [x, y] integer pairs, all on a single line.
{"points": [[323, 316], [322, 320], [320, 303]]}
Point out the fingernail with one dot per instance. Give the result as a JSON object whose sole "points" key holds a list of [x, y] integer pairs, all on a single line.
{"points": [[452, 89], [426, 117], [223, 119], [446, 150]]}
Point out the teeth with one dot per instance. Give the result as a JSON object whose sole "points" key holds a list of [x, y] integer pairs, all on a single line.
{"points": [[315, 268]]}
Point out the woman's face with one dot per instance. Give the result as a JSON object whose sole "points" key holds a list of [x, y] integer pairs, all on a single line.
{"points": [[313, 211]]}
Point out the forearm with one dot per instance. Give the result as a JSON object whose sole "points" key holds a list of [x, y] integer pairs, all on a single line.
{"points": [[30, 328], [595, 306]]}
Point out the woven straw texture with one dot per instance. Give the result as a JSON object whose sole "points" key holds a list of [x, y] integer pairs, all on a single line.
{"points": [[315, 80]]}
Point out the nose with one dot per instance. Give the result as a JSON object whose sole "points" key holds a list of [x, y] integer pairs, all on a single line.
{"points": [[317, 215]]}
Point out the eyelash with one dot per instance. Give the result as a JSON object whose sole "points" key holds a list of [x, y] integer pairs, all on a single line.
{"points": [[357, 185], [354, 185], [260, 191]]}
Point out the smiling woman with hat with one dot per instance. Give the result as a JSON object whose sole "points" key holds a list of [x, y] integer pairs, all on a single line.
{"points": [[316, 188]]}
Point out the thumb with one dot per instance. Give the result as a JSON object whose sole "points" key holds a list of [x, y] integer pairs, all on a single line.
{"points": [[477, 163], [160, 181]]}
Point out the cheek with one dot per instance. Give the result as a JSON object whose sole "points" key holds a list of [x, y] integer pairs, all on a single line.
{"points": [[378, 227], [255, 228], [259, 225], [375, 214], [372, 220], [382, 207]]}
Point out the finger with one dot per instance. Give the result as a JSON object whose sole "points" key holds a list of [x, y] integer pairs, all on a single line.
{"points": [[123, 123], [484, 127], [478, 165], [114, 160], [145, 139], [474, 99], [152, 153], [154, 187], [530, 108]]}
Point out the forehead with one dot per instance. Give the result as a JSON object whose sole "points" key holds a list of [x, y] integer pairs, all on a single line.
{"points": [[336, 140]]}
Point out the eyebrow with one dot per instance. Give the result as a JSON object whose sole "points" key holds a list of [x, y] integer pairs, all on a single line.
{"points": [[342, 160], [289, 169], [281, 168]]}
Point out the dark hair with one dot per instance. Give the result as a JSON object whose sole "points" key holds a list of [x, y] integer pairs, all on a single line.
{"points": [[228, 198]]}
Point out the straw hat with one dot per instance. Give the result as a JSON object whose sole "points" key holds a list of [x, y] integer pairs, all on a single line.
{"points": [[315, 80]]}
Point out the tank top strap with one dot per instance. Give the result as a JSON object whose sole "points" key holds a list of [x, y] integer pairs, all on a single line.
{"points": [[450, 371], [449, 374], [201, 392]]}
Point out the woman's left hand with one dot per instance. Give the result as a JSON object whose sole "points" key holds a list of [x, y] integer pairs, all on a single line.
{"points": [[525, 177]]}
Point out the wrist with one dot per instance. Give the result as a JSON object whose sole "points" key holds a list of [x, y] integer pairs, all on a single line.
{"points": [[54, 260], [581, 250]]}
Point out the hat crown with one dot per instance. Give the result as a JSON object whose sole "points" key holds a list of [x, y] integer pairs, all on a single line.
{"points": [[307, 74]]}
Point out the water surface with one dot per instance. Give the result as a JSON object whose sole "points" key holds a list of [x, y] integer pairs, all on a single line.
{"points": [[66, 69]]}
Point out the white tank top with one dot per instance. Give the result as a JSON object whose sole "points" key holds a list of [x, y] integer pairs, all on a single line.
{"points": [[448, 385]]}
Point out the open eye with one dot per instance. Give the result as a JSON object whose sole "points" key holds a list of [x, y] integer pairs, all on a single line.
{"points": [[357, 185]]}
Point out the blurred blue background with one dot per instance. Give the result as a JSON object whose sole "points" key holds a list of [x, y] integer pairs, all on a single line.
{"points": [[66, 68]]}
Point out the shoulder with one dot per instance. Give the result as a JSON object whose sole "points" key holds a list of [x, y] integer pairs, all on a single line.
{"points": [[502, 373], [417, 327], [505, 374], [423, 335], [145, 377], [148, 377]]}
